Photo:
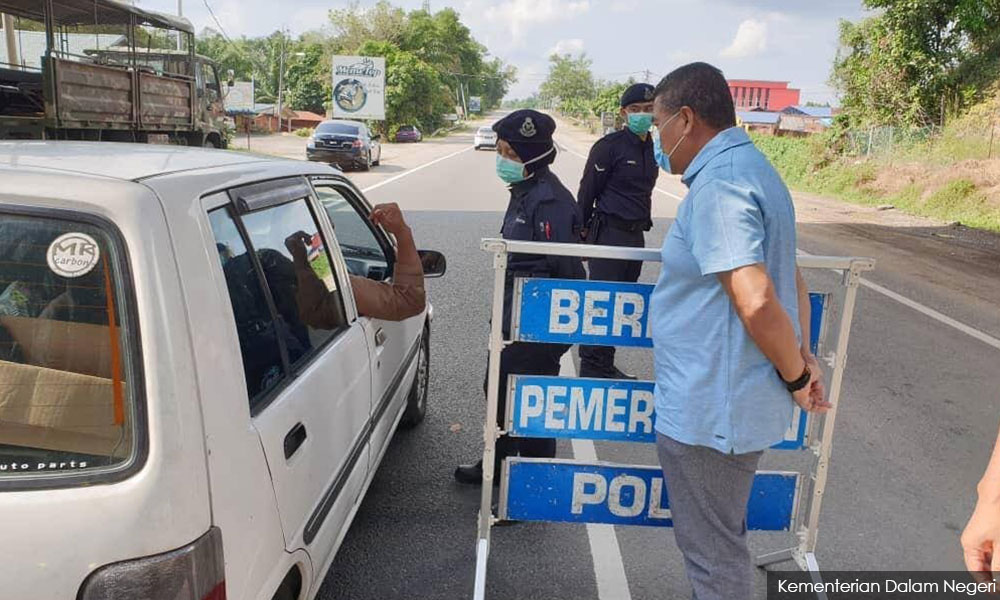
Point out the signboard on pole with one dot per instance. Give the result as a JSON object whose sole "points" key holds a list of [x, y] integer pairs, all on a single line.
{"points": [[359, 87], [534, 489], [475, 104]]}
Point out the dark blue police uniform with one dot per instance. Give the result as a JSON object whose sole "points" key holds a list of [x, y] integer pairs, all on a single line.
{"points": [[541, 209], [615, 198]]}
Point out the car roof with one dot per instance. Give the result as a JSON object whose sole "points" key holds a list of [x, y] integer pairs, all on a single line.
{"points": [[124, 161], [342, 122]]}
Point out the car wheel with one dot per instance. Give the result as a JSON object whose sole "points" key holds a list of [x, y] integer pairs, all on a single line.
{"points": [[367, 164], [416, 401]]}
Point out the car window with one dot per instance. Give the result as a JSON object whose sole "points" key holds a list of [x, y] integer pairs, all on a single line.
{"points": [[67, 363], [338, 128], [301, 309], [361, 249], [485, 130], [406, 128]]}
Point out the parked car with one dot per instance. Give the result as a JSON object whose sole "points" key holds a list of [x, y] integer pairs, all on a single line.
{"points": [[409, 133], [171, 425], [485, 138], [345, 143]]}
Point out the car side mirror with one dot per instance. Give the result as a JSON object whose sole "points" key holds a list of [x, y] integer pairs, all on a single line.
{"points": [[434, 263], [377, 137]]}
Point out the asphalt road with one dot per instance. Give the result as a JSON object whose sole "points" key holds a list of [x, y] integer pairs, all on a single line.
{"points": [[917, 418]]}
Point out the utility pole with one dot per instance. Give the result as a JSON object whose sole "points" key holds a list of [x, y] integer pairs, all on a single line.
{"points": [[8, 34], [180, 34], [281, 77]]}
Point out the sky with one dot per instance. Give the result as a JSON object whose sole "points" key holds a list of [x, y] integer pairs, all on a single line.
{"points": [[785, 40]]}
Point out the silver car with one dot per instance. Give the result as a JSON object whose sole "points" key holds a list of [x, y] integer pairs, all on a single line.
{"points": [[485, 138]]}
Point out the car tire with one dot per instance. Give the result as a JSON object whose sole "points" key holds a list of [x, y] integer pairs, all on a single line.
{"points": [[367, 164], [416, 400]]}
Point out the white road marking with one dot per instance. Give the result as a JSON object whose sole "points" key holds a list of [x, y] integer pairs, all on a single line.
{"points": [[609, 569], [414, 170], [926, 310]]}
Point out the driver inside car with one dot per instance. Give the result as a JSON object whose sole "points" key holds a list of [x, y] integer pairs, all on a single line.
{"points": [[396, 301]]}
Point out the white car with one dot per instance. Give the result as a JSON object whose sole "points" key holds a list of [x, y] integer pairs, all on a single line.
{"points": [[485, 138], [170, 425]]}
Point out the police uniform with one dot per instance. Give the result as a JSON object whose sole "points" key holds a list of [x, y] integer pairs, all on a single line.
{"points": [[540, 209], [615, 198]]}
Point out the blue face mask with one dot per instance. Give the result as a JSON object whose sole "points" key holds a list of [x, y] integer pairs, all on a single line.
{"points": [[663, 158], [510, 171], [639, 123]]}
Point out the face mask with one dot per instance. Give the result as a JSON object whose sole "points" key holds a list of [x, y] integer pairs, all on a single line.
{"points": [[510, 171], [663, 158], [639, 123]]}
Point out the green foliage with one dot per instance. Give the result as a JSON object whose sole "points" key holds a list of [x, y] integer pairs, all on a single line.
{"points": [[609, 96], [918, 61], [304, 132], [570, 82], [427, 57]]}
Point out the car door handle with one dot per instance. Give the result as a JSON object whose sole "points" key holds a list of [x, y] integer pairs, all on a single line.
{"points": [[380, 337], [294, 439]]}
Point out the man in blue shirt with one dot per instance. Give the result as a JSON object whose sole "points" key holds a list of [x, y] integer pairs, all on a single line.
{"points": [[730, 319]]}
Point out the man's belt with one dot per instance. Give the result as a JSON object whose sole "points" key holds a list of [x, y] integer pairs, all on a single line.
{"points": [[626, 224]]}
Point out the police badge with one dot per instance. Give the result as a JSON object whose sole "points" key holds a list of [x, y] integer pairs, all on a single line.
{"points": [[528, 128]]}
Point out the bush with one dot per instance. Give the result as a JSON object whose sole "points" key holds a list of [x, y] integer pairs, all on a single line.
{"points": [[304, 132]]}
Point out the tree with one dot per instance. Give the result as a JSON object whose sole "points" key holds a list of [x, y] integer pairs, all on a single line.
{"points": [[570, 82], [414, 93], [308, 82], [916, 59]]}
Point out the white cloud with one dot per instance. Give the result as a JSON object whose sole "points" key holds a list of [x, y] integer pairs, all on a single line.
{"points": [[573, 46], [750, 40], [624, 6], [517, 16]]}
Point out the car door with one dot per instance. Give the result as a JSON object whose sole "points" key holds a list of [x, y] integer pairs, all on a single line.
{"points": [[368, 253], [306, 359]]}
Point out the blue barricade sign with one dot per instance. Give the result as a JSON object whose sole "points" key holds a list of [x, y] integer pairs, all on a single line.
{"points": [[598, 409], [575, 492], [597, 313]]}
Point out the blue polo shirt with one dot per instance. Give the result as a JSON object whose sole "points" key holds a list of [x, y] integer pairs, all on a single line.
{"points": [[714, 387]]}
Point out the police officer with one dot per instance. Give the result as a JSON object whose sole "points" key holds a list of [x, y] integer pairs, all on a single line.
{"points": [[541, 209], [615, 198]]}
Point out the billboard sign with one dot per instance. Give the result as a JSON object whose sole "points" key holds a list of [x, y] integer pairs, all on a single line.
{"points": [[536, 489], [475, 104], [359, 87]]}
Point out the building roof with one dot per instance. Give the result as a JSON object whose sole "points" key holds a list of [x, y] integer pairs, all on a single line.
{"points": [[89, 12], [819, 112], [115, 160], [305, 115], [758, 117]]}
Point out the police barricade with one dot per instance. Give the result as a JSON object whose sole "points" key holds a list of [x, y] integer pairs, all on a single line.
{"points": [[616, 314]]}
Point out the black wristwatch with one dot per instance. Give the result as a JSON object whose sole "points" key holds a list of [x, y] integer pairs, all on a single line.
{"points": [[797, 384]]}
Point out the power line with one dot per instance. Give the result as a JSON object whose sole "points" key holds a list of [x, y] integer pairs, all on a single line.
{"points": [[217, 23]]}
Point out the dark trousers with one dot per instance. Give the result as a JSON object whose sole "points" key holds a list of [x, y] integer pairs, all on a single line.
{"points": [[524, 359], [602, 358]]}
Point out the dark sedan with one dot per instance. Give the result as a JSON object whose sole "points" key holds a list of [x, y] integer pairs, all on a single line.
{"points": [[344, 143], [409, 133]]}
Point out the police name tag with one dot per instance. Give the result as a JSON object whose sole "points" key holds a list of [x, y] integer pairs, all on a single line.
{"points": [[599, 409], [577, 492]]}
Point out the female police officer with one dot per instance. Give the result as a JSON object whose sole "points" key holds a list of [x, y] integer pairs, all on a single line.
{"points": [[541, 209]]}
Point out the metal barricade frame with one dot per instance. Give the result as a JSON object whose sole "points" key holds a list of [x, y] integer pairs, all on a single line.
{"points": [[810, 490]]}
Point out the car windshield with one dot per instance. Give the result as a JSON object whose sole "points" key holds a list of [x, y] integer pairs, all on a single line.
{"points": [[66, 403], [406, 128], [338, 128], [485, 131]]}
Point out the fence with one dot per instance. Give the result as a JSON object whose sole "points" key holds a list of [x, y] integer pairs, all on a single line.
{"points": [[564, 311]]}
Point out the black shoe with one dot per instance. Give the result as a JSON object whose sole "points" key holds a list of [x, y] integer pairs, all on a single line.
{"points": [[609, 373], [470, 474]]}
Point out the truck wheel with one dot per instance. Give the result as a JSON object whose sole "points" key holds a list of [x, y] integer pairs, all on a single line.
{"points": [[416, 401], [210, 142]]}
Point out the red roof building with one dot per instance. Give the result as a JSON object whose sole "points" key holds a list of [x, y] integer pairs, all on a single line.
{"points": [[752, 94]]}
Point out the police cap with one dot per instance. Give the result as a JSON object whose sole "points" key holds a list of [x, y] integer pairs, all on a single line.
{"points": [[637, 92], [529, 132]]}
